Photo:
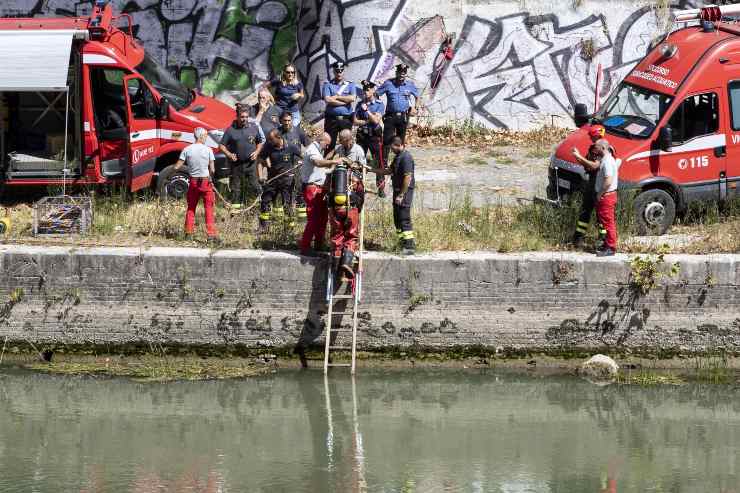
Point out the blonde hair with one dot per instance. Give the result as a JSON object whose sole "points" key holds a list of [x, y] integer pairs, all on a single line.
{"points": [[264, 90], [284, 80]]}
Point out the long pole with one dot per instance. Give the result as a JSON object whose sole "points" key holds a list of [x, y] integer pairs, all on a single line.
{"points": [[66, 134]]}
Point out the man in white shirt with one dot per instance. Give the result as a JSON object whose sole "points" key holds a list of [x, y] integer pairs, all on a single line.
{"points": [[607, 182], [313, 177], [200, 166]]}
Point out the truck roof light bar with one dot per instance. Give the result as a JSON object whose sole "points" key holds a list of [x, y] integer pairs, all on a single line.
{"points": [[100, 20], [710, 13]]}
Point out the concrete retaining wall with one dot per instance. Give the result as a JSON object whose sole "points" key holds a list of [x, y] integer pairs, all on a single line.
{"points": [[544, 301]]}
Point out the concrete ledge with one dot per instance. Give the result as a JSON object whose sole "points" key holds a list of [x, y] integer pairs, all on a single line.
{"points": [[531, 301]]}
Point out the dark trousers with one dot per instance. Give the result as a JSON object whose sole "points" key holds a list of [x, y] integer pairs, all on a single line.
{"points": [[283, 188], [333, 125], [394, 124], [243, 175], [402, 216], [588, 191], [374, 144]]}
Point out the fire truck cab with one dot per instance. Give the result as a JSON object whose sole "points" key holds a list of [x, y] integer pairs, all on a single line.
{"points": [[674, 122], [81, 103]]}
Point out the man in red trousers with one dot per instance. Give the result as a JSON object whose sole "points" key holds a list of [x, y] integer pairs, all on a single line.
{"points": [[313, 177], [200, 163]]}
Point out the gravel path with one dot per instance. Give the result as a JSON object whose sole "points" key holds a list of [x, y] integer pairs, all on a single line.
{"points": [[496, 175]]}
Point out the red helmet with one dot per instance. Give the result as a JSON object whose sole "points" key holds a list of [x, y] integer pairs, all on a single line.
{"points": [[596, 132]]}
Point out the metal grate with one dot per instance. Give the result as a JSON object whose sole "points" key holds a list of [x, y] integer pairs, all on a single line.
{"points": [[62, 215]]}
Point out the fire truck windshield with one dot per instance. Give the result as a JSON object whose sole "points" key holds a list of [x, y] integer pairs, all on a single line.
{"points": [[168, 86], [633, 111]]}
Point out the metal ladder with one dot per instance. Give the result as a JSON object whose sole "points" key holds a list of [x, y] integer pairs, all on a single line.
{"points": [[355, 295]]}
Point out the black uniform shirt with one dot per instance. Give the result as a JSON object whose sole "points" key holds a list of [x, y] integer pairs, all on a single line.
{"points": [[270, 118], [281, 159], [242, 140], [295, 136], [403, 164]]}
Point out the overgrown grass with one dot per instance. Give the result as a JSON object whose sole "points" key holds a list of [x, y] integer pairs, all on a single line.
{"points": [[155, 369], [470, 133], [713, 369], [648, 377], [122, 220]]}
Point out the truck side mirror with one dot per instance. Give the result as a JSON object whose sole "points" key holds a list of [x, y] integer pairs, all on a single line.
{"points": [[163, 112], [665, 138], [580, 115]]}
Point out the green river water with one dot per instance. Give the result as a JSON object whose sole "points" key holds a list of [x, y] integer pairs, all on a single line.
{"points": [[386, 431]]}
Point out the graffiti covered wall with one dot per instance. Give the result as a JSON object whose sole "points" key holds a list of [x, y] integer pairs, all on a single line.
{"points": [[510, 63], [223, 47]]}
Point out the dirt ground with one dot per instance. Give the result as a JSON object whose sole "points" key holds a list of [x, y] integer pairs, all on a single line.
{"points": [[501, 174]]}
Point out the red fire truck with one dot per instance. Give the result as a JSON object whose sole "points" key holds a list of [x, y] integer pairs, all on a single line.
{"points": [[81, 103], [674, 121]]}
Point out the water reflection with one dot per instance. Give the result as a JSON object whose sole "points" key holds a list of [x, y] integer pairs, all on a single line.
{"points": [[383, 431]]}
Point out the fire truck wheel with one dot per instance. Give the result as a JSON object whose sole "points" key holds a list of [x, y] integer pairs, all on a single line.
{"points": [[655, 211], [172, 183]]}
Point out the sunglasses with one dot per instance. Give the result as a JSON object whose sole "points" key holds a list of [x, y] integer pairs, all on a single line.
{"points": [[339, 70]]}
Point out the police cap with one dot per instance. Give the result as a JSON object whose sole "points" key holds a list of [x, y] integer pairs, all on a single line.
{"points": [[337, 65], [366, 84], [402, 68]]}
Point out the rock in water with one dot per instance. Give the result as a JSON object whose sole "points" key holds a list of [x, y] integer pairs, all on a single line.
{"points": [[600, 367]]}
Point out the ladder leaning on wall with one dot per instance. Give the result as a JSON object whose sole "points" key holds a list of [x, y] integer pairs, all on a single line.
{"points": [[334, 328]]}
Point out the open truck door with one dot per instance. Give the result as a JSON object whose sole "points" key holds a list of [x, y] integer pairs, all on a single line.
{"points": [[143, 132]]}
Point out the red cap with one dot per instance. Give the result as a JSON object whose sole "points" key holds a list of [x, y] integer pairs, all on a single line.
{"points": [[596, 132]]}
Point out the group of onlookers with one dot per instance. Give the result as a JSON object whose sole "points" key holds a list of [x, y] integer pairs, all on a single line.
{"points": [[270, 153]]}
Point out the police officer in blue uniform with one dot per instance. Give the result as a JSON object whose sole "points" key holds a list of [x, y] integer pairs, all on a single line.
{"points": [[369, 118], [339, 95], [398, 92]]}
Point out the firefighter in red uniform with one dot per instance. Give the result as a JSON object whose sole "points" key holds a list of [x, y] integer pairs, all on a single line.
{"points": [[200, 162], [346, 197], [588, 190]]}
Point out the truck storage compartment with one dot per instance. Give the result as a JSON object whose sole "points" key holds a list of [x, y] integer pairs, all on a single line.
{"points": [[40, 125]]}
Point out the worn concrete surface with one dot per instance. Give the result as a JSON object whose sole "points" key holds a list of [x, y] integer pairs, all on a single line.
{"points": [[536, 301]]}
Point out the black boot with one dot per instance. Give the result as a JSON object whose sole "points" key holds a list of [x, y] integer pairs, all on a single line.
{"points": [[409, 247], [347, 265], [578, 241]]}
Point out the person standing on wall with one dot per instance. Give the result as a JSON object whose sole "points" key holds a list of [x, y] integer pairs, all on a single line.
{"points": [[313, 176], [297, 137], [398, 92], [339, 95], [288, 91], [369, 120], [241, 144], [277, 163], [588, 192], [402, 178], [266, 113], [200, 165]]}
